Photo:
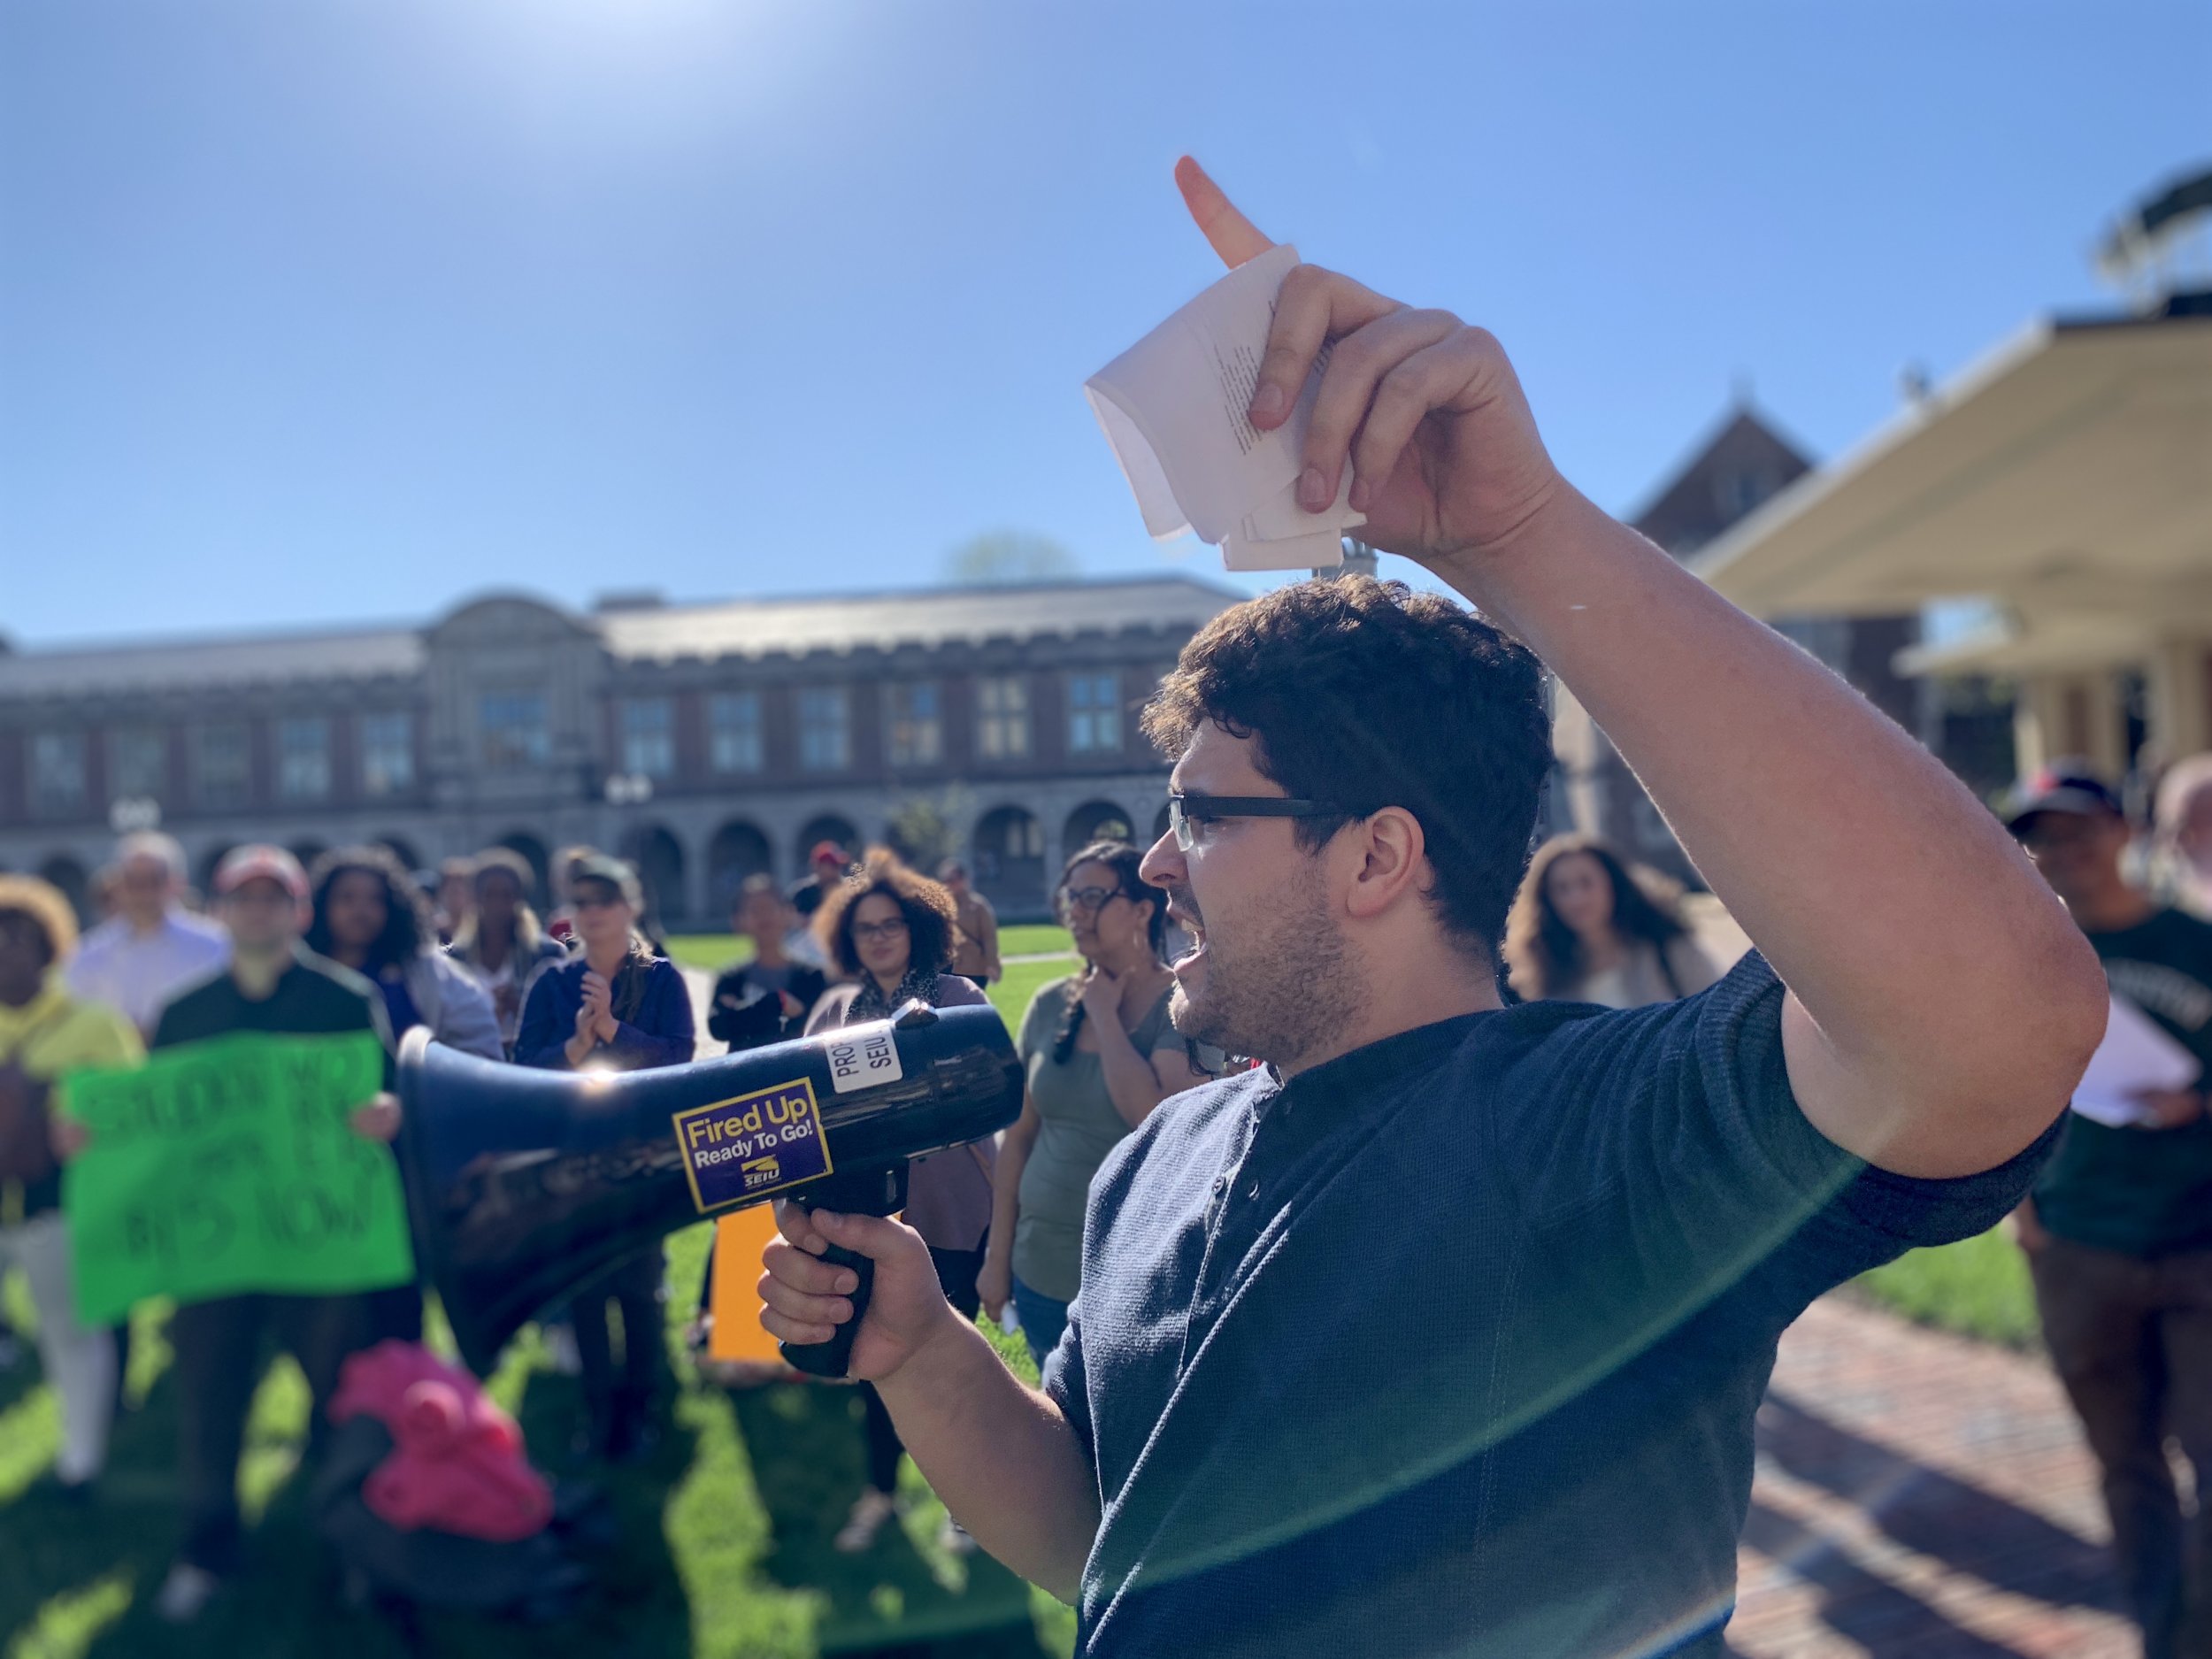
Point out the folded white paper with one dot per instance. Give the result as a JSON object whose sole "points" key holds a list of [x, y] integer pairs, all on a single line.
{"points": [[2137, 1054], [1173, 408]]}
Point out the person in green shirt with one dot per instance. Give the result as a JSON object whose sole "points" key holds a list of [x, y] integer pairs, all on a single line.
{"points": [[2118, 1227], [44, 1034], [1099, 1054]]}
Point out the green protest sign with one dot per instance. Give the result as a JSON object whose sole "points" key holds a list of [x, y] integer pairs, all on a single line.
{"points": [[226, 1165]]}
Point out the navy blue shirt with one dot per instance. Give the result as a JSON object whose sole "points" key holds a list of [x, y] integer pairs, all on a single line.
{"points": [[660, 1031], [1452, 1345]]}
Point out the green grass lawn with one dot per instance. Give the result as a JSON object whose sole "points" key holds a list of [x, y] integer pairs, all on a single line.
{"points": [[1978, 1287], [1010, 995], [1034, 939], [714, 951]]}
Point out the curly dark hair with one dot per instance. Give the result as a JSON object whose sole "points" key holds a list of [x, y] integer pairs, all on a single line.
{"points": [[408, 922], [44, 906], [1545, 954], [1366, 694], [1123, 858], [932, 921]]}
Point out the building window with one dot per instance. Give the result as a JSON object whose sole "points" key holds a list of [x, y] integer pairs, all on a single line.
{"points": [[1093, 713], [733, 740], [58, 773], [826, 742], [222, 763], [1740, 492], [138, 762], [303, 760], [514, 730], [388, 753], [648, 737], [917, 730], [1002, 702]]}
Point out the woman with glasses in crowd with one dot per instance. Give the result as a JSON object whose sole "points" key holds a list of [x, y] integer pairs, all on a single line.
{"points": [[370, 916], [1099, 1055], [1585, 930], [503, 945], [893, 930], [616, 1005]]}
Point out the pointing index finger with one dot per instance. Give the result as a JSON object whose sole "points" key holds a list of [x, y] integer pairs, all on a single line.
{"points": [[1234, 237]]}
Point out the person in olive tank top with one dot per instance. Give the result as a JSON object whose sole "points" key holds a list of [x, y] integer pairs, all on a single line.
{"points": [[2118, 1227], [1099, 1055]]}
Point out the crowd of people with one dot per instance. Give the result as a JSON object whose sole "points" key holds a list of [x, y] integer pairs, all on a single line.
{"points": [[2114, 1228]]}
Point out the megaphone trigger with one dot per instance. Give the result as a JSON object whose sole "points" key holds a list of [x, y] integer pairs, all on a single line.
{"points": [[869, 1193]]}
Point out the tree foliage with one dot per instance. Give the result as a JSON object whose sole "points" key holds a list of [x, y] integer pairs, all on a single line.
{"points": [[998, 557]]}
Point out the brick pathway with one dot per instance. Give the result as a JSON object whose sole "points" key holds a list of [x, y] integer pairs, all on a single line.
{"points": [[1920, 1496]]}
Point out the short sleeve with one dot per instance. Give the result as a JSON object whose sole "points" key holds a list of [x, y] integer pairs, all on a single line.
{"points": [[1681, 1116], [1064, 1383]]}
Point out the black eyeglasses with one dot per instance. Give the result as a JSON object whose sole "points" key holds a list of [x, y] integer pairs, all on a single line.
{"points": [[1185, 811], [1086, 900]]}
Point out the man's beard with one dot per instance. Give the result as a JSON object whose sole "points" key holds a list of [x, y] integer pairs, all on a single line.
{"points": [[1287, 987]]}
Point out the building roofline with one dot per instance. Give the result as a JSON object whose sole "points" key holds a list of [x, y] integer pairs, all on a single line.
{"points": [[1738, 408], [23, 650], [931, 590]]}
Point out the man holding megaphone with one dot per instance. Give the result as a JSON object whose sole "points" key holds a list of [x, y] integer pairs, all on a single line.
{"points": [[1443, 1332]]}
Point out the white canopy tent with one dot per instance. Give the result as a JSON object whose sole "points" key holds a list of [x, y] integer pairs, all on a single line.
{"points": [[2067, 479]]}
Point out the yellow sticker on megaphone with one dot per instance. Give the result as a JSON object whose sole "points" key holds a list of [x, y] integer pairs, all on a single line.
{"points": [[753, 1146]]}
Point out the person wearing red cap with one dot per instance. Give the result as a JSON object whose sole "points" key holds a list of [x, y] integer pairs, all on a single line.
{"points": [[828, 861], [273, 984]]}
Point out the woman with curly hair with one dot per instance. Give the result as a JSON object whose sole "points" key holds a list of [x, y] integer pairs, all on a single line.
{"points": [[893, 930], [1099, 1055], [1583, 929], [370, 916]]}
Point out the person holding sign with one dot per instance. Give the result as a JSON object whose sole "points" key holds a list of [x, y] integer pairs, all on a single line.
{"points": [[617, 1006], [893, 930], [273, 984], [1443, 1331], [45, 1031]]}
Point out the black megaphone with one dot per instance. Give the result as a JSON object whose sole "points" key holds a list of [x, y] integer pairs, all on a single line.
{"points": [[523, 1185]]}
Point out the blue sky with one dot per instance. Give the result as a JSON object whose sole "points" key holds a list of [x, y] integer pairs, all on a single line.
{"points": [[320, 310]]}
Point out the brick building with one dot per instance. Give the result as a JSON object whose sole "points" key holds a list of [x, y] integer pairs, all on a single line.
{"points": [[1740, 466], [705, 742]]}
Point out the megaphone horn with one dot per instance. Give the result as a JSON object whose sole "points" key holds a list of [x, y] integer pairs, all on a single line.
{"points": [[524, 1184]]}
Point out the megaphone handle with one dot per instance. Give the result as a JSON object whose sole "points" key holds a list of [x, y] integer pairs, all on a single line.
{"points": [[834, 1357]]}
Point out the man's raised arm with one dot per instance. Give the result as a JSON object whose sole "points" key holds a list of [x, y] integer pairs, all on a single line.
{"points": [[1942, 1004], [1001, 1456]]}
